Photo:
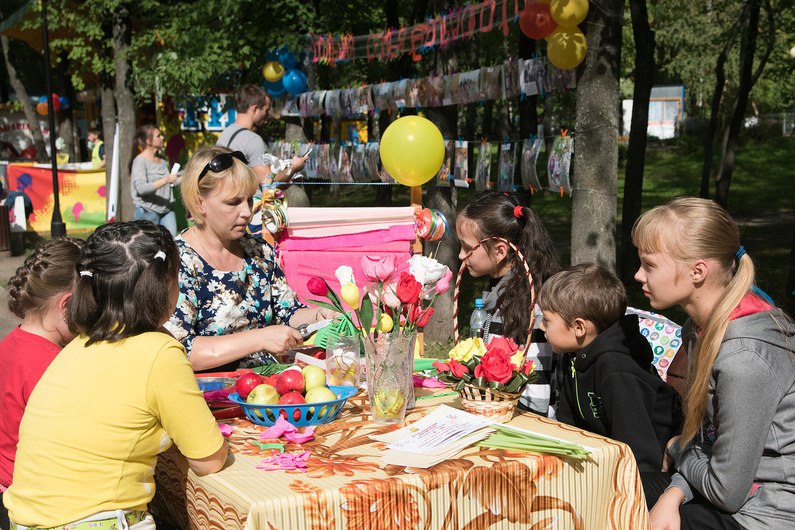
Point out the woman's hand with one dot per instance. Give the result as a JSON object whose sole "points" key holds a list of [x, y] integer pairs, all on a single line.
{"points": [[668, 460], [665, 513], [279, 339]]}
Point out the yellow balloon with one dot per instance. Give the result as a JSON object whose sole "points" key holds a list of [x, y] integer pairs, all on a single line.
{"points": [[273, 71], [568, 12], [412, 150], [566, 47]]}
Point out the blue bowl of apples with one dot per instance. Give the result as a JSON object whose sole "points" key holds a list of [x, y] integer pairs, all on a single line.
{"points": [[300, 397]]}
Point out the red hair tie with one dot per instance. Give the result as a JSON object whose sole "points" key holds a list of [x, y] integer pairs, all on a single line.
{"points": [[518, 212]]}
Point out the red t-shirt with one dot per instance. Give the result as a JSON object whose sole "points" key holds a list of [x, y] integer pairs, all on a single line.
{"points": [[23, 359]]}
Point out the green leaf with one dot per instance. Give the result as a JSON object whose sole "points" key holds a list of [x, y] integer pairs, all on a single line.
{"points": [[326, 305], [366, 313]]}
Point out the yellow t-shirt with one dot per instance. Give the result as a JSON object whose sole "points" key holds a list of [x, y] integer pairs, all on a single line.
{"points": [[93, 427]]}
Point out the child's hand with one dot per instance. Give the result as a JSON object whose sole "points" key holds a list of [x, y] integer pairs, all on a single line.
{"points": [[665, 513]]}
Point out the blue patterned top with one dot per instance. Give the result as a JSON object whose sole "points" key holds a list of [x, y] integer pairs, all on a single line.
{"points": [[213, 302]]}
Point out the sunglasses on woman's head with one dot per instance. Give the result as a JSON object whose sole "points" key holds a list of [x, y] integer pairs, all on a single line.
{"points": [[222, 162]]}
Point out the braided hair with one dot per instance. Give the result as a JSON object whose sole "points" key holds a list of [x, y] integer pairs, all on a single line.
{"points": [[124, 277], [46, 273], [500, 214]]}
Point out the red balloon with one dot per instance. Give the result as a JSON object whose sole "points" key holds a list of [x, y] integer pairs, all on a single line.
{"points": [[536, 21], [56, 102]]}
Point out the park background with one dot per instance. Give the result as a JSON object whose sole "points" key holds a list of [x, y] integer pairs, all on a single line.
{"points": [[132, 63]]}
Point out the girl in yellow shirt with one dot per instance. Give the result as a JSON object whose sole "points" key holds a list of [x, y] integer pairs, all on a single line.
{"points": [[115, 397]]}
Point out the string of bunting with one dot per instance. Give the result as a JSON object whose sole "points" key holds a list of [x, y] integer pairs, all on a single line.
{"points": [[442, 30]]}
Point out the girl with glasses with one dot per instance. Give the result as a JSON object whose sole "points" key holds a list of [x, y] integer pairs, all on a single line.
{"points": [[235, 308]]}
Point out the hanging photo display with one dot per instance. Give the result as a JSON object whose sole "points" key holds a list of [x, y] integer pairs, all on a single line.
{"points": [[461, 161], [483, 168], [445, 172], [529, 159], [560, 164], [506, 168]]}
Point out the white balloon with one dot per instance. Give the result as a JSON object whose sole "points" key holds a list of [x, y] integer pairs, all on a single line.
{"points": [[792, 52]]}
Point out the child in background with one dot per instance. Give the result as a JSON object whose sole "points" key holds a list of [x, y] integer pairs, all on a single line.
{"points": [[37, 294], [735, 458], [609, 385], [116, 396], [499, 214]]}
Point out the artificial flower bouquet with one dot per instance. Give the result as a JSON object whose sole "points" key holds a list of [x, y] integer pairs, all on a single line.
{"points": [[394, 306], [489, 377], [500, 366], [392, 301]]}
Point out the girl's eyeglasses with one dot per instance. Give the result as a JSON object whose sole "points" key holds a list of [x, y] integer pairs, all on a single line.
{"points": [[222, 162]]}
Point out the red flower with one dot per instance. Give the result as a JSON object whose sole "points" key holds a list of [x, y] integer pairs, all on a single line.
{"points": [[440, 366], [528, 367], [457, 368], [495, 366], [423, 318], [408, 289], [317, 286], [502, 346]]}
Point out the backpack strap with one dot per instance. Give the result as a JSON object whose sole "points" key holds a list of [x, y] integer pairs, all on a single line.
{"points": [[232, 138]]}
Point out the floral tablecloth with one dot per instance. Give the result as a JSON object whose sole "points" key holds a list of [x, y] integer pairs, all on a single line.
{"points": [[346, 486]]}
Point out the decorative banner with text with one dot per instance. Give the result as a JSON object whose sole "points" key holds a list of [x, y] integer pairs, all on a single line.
{"points": [[81, 195], [442, 30]]}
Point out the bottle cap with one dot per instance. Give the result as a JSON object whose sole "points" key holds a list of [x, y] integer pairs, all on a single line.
{"points": [[478, 303]]}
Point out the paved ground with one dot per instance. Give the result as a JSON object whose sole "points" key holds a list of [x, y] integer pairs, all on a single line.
{"points": [[8, 266]]}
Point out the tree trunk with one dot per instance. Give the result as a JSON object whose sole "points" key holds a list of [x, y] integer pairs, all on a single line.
{"points": [[593, 215], [714, 117], [790, 294], [125, 105], [27, 106], [636, 152], [747, 52], [440, 327]]}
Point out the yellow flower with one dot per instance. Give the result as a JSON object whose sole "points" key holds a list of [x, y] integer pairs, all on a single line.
{"points": [[350, 293], [465, 350], [385, 323], [517, 359]]}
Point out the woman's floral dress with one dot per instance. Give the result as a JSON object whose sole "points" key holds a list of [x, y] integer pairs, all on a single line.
{"points": [[213, 302]]}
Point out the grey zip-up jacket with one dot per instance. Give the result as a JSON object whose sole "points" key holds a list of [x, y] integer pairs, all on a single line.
{"points": [[744, 461]]}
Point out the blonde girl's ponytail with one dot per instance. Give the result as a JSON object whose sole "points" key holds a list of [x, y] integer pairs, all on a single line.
{"points": [[690, 229], [708, 345]]}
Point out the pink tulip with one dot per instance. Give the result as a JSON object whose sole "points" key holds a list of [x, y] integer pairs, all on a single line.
{"points": [[444, 283], [378, 269]]}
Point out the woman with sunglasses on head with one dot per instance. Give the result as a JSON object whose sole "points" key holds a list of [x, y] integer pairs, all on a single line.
{"points": [[151, 183], [235, 307]]}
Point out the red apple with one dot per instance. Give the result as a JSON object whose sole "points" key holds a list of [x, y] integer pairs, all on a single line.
{"points": [[292, 398], [289, 381], [246, 383]]}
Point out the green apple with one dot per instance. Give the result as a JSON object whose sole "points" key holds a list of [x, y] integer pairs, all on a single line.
{"points": [[263, 395], [319, 394], [314, 376]]}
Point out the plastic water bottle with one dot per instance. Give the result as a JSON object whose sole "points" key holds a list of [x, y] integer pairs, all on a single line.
{"points": [[478, 319]]}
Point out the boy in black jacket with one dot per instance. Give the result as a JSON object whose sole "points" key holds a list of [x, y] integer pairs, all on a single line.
{"points": [[608, 384]]}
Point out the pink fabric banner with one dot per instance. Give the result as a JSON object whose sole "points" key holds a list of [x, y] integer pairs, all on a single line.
{"points": [[319, 240]]}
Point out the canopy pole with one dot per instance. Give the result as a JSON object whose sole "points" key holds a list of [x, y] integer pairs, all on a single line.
{"points": [[57, 226]]}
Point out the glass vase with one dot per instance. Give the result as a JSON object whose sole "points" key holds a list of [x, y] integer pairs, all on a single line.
{"points": [[342, 361], [390, 385]]}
